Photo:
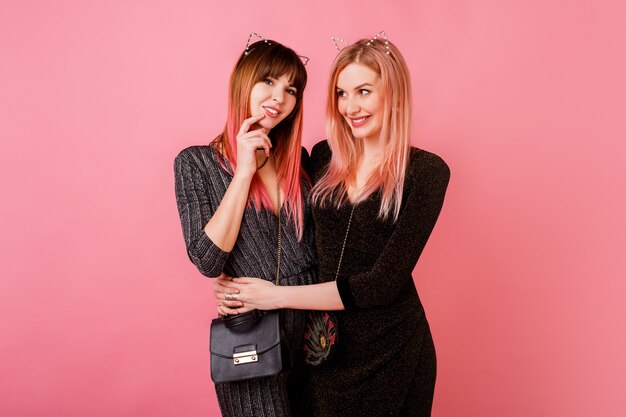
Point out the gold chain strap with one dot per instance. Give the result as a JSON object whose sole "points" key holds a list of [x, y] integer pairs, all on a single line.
{"points": [[343, 247], [345, 239], [279, 234]]}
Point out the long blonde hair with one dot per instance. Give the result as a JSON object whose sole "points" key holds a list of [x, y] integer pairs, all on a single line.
{"points": [[395, 135], [263, 60]]}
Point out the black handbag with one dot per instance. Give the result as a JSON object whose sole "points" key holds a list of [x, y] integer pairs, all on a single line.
{"points": [[249, 345], [321, 328]]}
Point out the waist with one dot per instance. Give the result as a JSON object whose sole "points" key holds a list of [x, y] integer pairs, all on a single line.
{"points": [[293, 276], [298, 276]]}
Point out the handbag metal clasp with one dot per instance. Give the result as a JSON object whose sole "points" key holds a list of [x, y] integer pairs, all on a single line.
{"points": [[245, 357]]}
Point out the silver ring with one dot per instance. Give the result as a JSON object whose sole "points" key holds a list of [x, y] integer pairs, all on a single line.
{"points": [[232, 297]]}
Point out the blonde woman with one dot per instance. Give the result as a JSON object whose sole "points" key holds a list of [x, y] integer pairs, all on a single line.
{"points": [[227, 200], [368, 179]]}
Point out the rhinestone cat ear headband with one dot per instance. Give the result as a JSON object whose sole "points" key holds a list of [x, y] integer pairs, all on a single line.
{"points": [[250, 38], [337, 38], [369, 43], [304, 59], [382, 32]]}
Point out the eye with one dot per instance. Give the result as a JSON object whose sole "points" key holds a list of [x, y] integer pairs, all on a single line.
{"points": [[341, 93], [268, 81], [364, 92], [292, 91]]}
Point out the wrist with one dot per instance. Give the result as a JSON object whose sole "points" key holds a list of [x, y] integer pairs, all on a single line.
{"points": [[245, 178], [281, 297]]}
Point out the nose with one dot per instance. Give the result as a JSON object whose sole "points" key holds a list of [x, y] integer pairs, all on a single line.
{"points": [[352, 106], [278, 95]]}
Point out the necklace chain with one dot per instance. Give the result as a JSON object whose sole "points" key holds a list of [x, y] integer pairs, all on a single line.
{"points": [[279, 232], [345, 239]]}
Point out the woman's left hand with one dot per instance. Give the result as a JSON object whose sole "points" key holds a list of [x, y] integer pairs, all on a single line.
{"points": [[256, 293]]}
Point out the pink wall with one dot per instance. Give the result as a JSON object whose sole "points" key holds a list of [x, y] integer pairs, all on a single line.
{"points": [[523, 280]]}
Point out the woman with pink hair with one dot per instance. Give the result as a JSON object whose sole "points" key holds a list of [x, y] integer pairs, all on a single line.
{"points": [[375, 202], [236, 194]]}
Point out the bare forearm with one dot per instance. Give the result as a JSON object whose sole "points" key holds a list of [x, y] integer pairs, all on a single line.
{"points": [[223, 228], [323, 296]]}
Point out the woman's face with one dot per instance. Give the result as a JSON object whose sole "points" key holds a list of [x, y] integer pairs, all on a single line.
{"points": [[360, 100], [273, 97]]}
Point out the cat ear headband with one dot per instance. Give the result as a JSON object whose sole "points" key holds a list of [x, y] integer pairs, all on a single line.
{"points": [[369, 43], [304, 59]]}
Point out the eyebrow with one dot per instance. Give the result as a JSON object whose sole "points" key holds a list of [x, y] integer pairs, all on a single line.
{"points": [[357, 87]]}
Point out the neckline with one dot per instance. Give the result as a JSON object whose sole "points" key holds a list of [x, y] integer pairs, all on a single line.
{"points": [[368, 198]]}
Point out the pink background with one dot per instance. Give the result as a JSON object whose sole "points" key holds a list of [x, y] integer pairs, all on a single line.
{"points": [[102, 314]]}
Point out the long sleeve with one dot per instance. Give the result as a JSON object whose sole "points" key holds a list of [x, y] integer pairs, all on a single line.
{"points": [[381, 285], [195, 210]]}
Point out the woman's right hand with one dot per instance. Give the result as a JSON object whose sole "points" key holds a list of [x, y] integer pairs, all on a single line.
{"points": [[247, 144], [220, 290]]}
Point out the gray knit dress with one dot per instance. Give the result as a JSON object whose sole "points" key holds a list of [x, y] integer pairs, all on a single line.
{"points": [[201, 183]]}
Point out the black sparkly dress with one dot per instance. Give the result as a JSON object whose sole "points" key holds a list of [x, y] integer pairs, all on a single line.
{"points": [[385, 362]]}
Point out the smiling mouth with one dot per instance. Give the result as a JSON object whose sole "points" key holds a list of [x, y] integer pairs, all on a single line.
{"points": [[359, 121], [271, 111]]}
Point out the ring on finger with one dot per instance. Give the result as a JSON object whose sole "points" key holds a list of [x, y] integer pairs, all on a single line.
{"points": [[231, 297]]}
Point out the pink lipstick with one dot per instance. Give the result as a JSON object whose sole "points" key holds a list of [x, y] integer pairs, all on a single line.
{"points": [[272, 112], [359, 121]]}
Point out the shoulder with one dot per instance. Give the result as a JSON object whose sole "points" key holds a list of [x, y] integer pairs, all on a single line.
{"points": [[426, 166], [304, 156], [423, 162], [305, 161], [199, 157], [320, 157], [321, 151]]}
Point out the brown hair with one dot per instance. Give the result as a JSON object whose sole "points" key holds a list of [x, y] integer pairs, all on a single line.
{"points": [[269, 59]]}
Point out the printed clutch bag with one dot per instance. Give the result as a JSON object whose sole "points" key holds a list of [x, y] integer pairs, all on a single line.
{"points": [[320, 337]]}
